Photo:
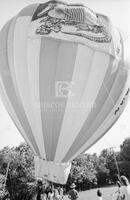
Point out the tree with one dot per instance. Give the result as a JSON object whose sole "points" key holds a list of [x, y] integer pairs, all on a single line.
{"points": [[21, 171], [3, 192], [125, 157], [125, 150], [83, 172], [102, 171], [109, 157]]}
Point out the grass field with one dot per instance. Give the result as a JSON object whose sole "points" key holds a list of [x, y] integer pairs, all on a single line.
{"points": [[92, 194]]}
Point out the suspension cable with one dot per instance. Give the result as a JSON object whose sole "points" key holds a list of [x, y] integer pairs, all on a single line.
{"points": [[7, 171], [116, 163]]}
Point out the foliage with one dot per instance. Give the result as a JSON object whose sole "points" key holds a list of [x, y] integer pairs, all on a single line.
{"points": [[3, 192], [109, 158], [125, 157], [83, 172], [102, 171], [125, 150], [21, 168], [88, 171]]}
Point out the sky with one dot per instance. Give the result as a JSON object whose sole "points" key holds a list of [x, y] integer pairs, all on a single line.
{"points": [[119, 13]]}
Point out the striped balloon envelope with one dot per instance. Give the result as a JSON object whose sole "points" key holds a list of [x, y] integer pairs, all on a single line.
{"points": [[63, 80]]}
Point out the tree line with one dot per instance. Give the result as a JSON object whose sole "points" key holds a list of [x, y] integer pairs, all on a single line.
{"points": [[88, 170]]}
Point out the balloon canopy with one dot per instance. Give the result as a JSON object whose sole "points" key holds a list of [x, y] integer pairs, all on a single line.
{"points": [[63, 80]]}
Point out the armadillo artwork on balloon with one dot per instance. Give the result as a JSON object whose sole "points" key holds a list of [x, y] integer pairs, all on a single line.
{"points": [[63, 81], [71, 20]]}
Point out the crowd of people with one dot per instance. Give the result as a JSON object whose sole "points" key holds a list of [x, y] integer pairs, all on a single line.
{"points": [[56, 193], [49, 192]]}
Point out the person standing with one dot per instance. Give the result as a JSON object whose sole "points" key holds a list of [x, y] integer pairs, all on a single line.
{"points": [[56, 195], [50, 192], [125, 187], [73, 194], [39, 189], [118, 195], [60, 190], [99, 194]]}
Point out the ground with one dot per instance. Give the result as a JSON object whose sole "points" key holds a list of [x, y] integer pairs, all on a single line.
{"points": [[92, 194]]}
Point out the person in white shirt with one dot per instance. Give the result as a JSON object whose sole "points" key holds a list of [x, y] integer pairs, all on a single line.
{"points": [[125, 187]]}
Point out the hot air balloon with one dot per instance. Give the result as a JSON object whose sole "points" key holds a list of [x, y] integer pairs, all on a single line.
{"points": [[63, 81]]}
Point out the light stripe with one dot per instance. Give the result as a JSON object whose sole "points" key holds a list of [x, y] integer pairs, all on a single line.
{"points": [[64, 72], [10, 42], [13, 115], [111, 118], [48, 62], [13, 104], [101, 97], [106, 116], [91, 88], [79, 80], [108, 82], [33, 56], [57, 60], [95, 138], [98, 71], [21, 72]]}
